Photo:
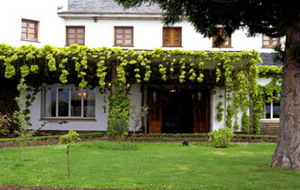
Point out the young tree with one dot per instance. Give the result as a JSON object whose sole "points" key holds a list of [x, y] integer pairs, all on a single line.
{"points": [[274, 18], [69, 139]]}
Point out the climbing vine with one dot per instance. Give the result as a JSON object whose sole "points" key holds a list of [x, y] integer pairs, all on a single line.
{"points": [[83, 66]]}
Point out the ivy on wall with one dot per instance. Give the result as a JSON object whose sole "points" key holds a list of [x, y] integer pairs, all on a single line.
{"points": [[83, 66]]}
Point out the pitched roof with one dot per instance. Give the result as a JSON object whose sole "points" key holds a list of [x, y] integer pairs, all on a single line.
{"points": [[270, 59], [108, 7]]}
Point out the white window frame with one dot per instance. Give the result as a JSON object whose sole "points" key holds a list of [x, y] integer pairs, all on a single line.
{"points": [[271, 112], [69, 88]]}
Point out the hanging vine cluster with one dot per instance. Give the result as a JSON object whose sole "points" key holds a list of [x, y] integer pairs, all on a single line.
{"points": [[89, 67]]}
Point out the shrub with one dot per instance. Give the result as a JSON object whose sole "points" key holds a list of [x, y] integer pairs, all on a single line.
{"points": [[7, 125], [221, 138]]}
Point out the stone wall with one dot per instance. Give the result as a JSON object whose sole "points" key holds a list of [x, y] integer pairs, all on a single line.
{"points": [[269, 127]]}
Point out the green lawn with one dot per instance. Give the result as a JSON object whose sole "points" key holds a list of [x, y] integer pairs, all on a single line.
{"points": [[104, 164]]}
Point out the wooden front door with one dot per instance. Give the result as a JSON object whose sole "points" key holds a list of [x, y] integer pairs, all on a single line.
{"points": [[154, 116], [201, 112], [162, 101]]}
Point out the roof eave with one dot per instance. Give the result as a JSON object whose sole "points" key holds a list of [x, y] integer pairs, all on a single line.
{"points": [[111, 15]]}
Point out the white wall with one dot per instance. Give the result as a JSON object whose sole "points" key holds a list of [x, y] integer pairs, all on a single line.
{"points": [[147, 33], [215, 99], [51, 28], [135, 102]]}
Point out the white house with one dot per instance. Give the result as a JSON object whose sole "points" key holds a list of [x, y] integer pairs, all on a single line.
{"points": [[97, 23]]}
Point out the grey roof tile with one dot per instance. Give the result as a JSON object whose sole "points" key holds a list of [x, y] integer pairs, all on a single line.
{"points": [[270, 59], [108, 7]]}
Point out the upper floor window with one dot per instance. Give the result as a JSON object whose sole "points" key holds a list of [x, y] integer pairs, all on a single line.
{"points": [[172, 36], [271, 110], [29, 30], [269, 42], [123, 36], [75, 35], [226, 39], [68, 102]]}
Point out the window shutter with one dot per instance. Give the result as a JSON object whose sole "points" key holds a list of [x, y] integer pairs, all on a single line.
{"points": [[166, 37], [177, 36]]}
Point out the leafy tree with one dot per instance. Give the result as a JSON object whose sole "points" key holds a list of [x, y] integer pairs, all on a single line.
{"points": [[274, 18], [69, 139]]}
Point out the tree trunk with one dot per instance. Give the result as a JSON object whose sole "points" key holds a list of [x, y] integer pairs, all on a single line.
{"points": [[287, 154], [68, 161]]}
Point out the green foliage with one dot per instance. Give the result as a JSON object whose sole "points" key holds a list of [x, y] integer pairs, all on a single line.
{"points": [[221, 138], [245, 122], [220, 111], [229, 116], [241, 162], [119, 110], [254, 16], [269, 70], [7, 126], [70, 138], [84, 66]]}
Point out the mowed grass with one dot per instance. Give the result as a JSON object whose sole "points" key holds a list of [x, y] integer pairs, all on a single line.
{"points": [[105, 164]]}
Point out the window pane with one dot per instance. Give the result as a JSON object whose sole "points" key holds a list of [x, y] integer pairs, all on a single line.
{"points": [[80, 41], [89, 103], [119, 36], [276, 109], [24, 35], [63, 102], [127, 41], [128, 36], [266, 38], [71, 31], [24, 24], [266, 43], [79, 36], [71, 36], [71, 41], [119, 31], [31, 25], [119, 41], [274, 42], [267, 111], [76, 102], [128, 31], [49, 102]]}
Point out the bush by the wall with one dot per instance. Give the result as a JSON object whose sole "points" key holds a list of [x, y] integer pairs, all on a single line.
{"points": [[221, 138]]}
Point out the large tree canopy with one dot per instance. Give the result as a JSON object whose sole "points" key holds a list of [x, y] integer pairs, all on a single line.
{"points": [[271, 17], [274, 18]]}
